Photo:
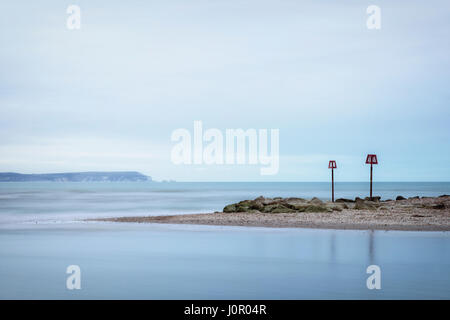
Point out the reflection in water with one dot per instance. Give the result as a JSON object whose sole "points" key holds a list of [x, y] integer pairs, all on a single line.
{"points": [[333, 247], [200, 262], [371, 247]]}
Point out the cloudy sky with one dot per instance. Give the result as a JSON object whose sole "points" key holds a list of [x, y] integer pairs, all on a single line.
{"points": [[109, 95]]}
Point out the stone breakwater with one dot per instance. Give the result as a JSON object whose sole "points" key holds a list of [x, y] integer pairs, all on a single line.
{"points": [[292, 205]]}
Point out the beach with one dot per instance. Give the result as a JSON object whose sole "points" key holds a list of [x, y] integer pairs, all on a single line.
{"points": [[414, 214]]}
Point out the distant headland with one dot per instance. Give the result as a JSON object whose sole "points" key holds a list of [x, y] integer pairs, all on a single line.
{"points": [[93, 176]]}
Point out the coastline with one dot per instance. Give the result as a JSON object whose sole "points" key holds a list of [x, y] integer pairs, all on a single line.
{"points": [[345, 220], [413, 214]]}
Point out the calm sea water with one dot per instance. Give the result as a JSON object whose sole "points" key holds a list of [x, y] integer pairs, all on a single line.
{"points": [[68, 200], [40, 235]]}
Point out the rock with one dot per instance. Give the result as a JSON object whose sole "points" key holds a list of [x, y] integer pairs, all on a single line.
{"points": [[277, 208], [268, 208], [344, 200], [295, 204], [315, 201], [416, 197], [244, 206], [376, 199], [400, 198], [361, 204], [358, 200], [282, 210], [245, 203], [299, 207], [294, 200], [229, 208], [256, 205], [317, 208], [247, 206], [260, 199]]}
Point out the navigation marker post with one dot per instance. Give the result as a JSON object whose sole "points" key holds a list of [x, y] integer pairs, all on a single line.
{"points": [[332, 166], [371, 159]]}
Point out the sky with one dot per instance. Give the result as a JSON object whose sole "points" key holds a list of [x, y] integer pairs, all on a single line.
{"points": [[108, 96]]}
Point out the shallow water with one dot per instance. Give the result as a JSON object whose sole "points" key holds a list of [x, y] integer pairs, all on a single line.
{"points": [[126, 261], [39, 239]]}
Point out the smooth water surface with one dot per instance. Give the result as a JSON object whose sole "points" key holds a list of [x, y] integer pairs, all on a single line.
{"points": [[125, 261]]}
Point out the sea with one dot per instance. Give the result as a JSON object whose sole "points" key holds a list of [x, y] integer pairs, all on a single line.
{"points": [[43, 231]]}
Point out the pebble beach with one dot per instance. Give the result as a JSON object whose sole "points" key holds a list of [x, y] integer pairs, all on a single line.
{"points": [[412, 214]]}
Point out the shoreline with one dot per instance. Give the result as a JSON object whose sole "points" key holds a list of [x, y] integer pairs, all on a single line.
{"points": [[413, 214], [282, 220]]}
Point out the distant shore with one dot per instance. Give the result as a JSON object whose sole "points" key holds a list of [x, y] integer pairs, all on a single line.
{"points": [[90, 176], [413, 214]]}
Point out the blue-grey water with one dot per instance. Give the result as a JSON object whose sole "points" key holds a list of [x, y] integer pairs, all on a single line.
{"points": [[41, 234]]}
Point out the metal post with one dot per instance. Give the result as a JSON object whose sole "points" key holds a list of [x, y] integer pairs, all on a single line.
{"points": [[371, 169], [371, 159], [332, 185]]}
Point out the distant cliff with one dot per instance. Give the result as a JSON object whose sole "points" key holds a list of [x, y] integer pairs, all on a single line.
{"points": [[75, 176]]}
